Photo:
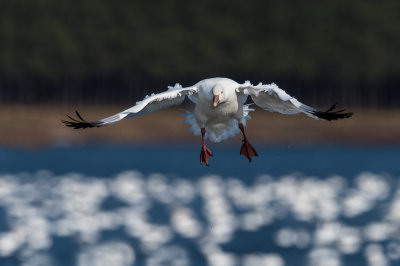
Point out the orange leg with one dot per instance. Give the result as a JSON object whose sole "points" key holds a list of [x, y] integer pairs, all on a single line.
{"points": [[205, 152], [247, 150]]}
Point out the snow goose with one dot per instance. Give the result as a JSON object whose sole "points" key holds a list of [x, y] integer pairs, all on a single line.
{"points": [[220, 110]]}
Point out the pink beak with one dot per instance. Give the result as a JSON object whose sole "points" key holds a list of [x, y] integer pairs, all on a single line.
{"points": [[215, 100]]}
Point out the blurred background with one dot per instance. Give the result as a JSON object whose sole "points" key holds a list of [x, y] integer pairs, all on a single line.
{"points": [[101, 57], [321, 193]]}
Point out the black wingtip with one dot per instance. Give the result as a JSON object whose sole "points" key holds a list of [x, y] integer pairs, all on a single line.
{"points": [[81, 123], [79, 116], [332, 107], [330, 114]]}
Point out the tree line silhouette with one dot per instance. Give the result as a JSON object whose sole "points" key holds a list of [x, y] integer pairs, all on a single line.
{"points": [[96, 51]]}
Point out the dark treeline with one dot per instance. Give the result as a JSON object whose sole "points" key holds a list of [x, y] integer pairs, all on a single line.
{"points": [[93, 51]]}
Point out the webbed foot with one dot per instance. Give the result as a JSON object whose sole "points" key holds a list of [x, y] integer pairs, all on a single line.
{"points": [[248, 150], [205, 155]]}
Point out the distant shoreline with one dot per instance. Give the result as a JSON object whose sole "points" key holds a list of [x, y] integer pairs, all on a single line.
{"points": [[24, 126]]}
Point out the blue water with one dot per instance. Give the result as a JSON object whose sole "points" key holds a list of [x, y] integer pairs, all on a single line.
{"points": [[138, 205], [183, 161]]}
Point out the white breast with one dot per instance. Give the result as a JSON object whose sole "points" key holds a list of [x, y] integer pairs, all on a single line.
{"points": [[220, 122]]}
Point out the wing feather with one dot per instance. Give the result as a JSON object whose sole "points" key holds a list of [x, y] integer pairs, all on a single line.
{"points": [[270, 97], [173, 96]]}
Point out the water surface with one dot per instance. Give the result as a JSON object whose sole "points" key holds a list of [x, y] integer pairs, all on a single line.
{"points": [[114, 205]]}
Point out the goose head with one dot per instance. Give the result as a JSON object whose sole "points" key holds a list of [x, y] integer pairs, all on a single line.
{"points": [[218, 95]]}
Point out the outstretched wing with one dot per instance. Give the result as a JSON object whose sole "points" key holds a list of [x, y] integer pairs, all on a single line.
{"points": [[270, 97], [173, 96]]}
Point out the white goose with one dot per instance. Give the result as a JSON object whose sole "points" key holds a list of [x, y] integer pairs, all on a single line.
{"points": [[220, 110]]}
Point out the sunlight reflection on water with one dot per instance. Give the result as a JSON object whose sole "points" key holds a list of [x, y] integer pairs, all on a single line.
{"points": [[132, 219]]}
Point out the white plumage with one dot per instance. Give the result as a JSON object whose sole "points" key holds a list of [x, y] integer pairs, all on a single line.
{"points": [[220, 107]]}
